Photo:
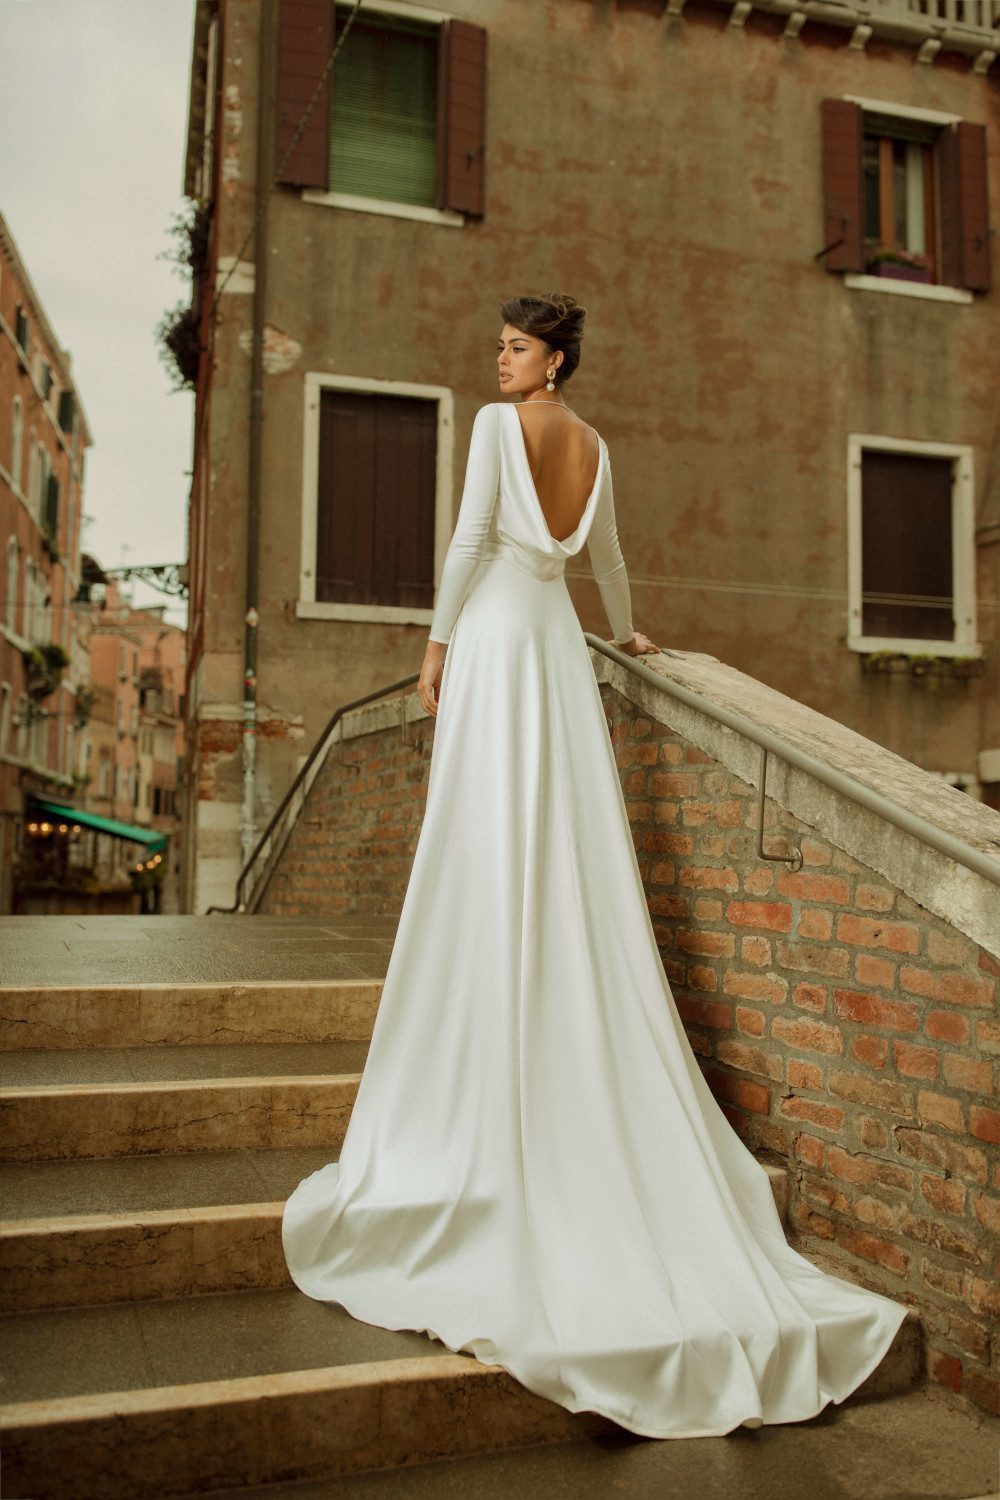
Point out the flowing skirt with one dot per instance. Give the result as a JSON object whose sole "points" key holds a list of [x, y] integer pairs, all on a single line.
{"points": [[535, 1170]]}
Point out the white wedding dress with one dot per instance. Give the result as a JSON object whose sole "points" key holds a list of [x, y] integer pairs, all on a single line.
{"points": [[535, 1170]]}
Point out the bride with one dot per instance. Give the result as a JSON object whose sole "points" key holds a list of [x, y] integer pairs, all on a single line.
{"points": [[535, 1170]]}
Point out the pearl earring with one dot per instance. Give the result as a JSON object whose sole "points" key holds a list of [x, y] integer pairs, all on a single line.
{"points": [[550, 383]]}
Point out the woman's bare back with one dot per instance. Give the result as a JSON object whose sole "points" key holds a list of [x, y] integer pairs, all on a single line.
{"points": [[563, 455]]}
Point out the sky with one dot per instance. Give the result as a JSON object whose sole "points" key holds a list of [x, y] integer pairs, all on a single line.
{"points": [[93, 118]]}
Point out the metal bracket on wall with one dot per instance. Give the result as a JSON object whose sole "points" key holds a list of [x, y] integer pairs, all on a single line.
{"points": [[795, 858]]}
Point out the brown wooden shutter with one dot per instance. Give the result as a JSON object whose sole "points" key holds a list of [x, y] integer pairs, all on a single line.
{"points": [[376, 499], [965, 237], [843, 187], [906, 547], [461, 118], [304, 45]]}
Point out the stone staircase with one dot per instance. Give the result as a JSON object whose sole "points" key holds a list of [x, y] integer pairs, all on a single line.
{"points": [[153, 1341]]}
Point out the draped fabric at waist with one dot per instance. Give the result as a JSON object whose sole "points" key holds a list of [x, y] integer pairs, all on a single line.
{"points": [[520, 557]]}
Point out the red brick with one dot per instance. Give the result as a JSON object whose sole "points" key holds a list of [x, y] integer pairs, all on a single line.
{"points": [[840, 1163], [814, 853], [826, 1116], [871, 1133], [963, 1161], [984, 1124], [950, 1283], [939, 1109], [987, 1211], [810, 997], [702, 977], [705, 1012], [989, 964], [955, 989], [759, 881], [814, 923], [802, 885], [871, 1050], [750, 1022], [984, 1296], [803, 1075], [987, 1035], [707, 909], [946, 1026], [876, 1093], [774, 915], [879, 1251], [753, 1096], [814, 958], [855, 1005], [874, 897], [946, 1370], [973, 1074], [750, 1059], [874, 1212], [945, 1194], [754, 986], [808, 1036], [807, 1222], [664, 872], [880, 972], [810, 1149], [875, 932], [950, 948], [672, 783], [756, 950], [710, 877], [915, 1062]]}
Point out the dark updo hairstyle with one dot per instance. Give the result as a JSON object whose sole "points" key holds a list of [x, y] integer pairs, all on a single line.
{"points": [[556, 319]]}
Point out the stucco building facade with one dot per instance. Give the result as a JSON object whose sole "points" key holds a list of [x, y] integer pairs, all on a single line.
{"points": [[782, 221]]}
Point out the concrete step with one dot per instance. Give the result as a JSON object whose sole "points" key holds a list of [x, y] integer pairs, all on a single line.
{"points": [[86, 1259], [207, 1114], [115, 1016], [40, 1068], [250, 1389]]}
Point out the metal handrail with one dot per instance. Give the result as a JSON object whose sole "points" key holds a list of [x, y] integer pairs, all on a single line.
{"points": [[911, 823], [299, 780], [946, 843]]}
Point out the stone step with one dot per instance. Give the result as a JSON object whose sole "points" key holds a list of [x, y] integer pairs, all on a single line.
{"points": [[181, 1014], [86, 1259], [38, 1068], [253, 1388], [117, 1119]]}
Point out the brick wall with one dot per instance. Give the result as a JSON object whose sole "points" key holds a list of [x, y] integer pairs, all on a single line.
{"points": [[847, 1031]]}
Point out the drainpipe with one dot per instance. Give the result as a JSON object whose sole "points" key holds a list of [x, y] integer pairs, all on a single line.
{"points": [[265, 117]]}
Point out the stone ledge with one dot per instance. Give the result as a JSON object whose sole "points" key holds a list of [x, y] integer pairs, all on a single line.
{"points": [[966, 900]]}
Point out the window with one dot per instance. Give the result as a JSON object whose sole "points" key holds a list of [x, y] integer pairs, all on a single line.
{"points": [[17, 444], [404, 122], [13, 587], [905, 194], [375, 499], [911, 547], [21, 333]]}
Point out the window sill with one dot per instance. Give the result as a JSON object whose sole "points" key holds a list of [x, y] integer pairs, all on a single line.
{"points": [[371, 614], [383, 206], [931, 291], [868, 644]]}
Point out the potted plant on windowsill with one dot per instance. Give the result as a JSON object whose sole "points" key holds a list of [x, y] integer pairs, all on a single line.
{"points": [[44, 668], [907, 264]]}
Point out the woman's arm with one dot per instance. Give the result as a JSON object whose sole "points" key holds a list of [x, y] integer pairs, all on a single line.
{"points": [[482, 483], [609, 565]]}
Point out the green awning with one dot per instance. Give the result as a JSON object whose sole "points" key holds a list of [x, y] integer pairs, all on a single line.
{"points": [[149, 837]]}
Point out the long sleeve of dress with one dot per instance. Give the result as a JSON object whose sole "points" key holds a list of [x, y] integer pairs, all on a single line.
{"points": [[609, 565], [482, 484]]}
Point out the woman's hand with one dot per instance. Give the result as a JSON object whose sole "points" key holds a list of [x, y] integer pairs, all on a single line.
{"points": [[429, 685], [639, 645]]}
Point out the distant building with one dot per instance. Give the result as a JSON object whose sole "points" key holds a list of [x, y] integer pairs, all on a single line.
{"points": [[44, 436], [782, 221]]}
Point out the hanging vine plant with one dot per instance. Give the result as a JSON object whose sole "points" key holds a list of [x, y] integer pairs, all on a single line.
{"points": [[178, 332]]}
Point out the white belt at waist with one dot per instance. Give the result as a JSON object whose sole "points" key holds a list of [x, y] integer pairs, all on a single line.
{"points": [[528, 562]]}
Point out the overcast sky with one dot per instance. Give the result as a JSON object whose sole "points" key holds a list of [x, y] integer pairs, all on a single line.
{"points": [[93, 112]]}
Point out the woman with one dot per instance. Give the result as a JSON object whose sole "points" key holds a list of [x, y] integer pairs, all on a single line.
{"points": [[535, 1170]]}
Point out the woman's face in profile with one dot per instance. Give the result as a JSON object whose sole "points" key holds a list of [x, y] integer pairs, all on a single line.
{"points": [[521, 361]]}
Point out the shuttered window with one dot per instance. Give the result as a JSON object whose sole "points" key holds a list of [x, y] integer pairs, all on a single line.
{"points": [[907, 566], [401, 116], [384, 112], [376, 499], [898, 190]]}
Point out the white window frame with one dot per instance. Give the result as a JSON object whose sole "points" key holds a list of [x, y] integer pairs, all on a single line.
{"points": [[308, 607], [362, 205], [963, 545]]}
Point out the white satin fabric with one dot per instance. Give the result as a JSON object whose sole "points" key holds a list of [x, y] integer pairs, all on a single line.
{"points": [[535, 1170]]}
